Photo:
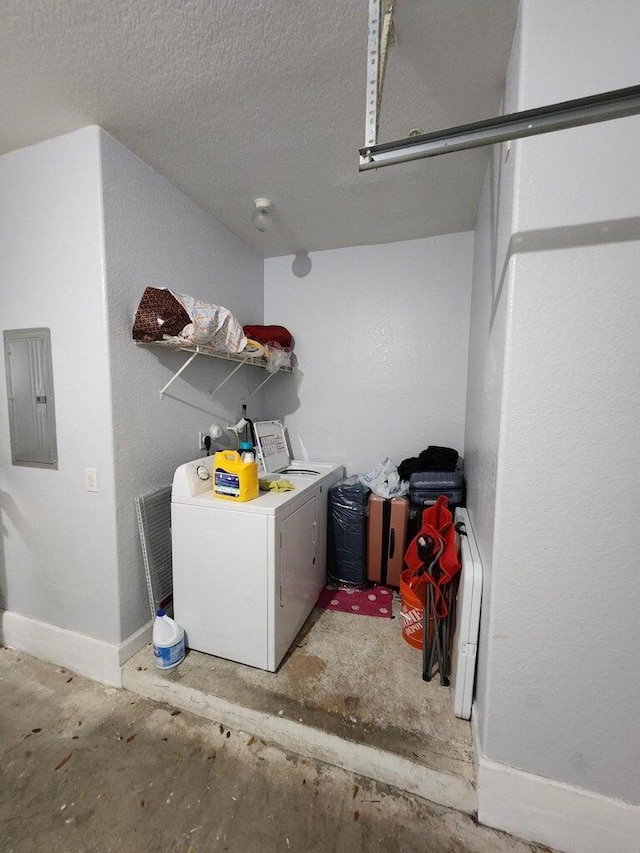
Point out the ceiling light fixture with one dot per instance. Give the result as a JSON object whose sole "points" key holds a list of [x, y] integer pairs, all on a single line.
{"points": [[261, 214]]}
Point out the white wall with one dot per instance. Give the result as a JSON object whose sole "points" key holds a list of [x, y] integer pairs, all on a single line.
{"points": [[58, 560], [558, 671], [154, 235], [382, 338], [84, 227], [490, 328], [487, 341]]}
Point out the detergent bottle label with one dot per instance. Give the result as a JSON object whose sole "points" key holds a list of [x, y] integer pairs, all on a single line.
{"points": [[165, 657], [227, 484]]}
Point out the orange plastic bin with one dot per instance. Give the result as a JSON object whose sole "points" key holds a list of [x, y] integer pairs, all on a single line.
{"points": [[413, 594]]}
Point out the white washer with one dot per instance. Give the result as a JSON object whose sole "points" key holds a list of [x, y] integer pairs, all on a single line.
{"points": [[247, 575]]}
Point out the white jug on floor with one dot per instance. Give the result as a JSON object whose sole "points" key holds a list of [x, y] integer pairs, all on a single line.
{"points": [[168, 641]]}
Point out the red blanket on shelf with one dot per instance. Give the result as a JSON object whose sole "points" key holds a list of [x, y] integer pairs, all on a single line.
{"points": [[270, 335]]}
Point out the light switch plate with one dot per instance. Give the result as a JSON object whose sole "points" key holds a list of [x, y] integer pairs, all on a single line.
{"points": [[91, 479]]}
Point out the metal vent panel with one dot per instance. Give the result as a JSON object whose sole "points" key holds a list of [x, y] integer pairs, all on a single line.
{"points": [[154, 522]]}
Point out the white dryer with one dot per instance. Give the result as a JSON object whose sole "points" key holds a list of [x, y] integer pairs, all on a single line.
{"points": [[247, 575]]}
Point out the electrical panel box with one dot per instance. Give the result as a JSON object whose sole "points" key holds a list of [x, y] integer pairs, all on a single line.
{"points": [[32, 421]]}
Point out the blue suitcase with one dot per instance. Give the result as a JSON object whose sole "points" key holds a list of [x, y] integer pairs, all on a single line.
{"points": [[425, 487]]}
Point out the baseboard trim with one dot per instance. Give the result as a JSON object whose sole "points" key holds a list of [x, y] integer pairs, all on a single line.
{"points": [[79, 653], [138, 640], [561, 816]]}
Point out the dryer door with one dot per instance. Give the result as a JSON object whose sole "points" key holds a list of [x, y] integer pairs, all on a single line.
{"points": [[300, 571], [299, 558]]}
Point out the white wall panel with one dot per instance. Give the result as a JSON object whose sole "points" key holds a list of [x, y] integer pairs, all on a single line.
{"points": [[58, 561], [557, 694], [382, 339], [155, 236]]}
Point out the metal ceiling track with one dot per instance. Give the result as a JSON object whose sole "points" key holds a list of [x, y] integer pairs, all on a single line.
{"points": [[606, 106], [618, 103]]}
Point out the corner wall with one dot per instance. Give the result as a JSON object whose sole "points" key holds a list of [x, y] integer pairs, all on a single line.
{"points": [[558, 687], [58, 559], [156, 236], [84, 227]]}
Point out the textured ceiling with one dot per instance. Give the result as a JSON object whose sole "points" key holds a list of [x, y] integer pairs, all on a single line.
{"points": [[234, 99]]}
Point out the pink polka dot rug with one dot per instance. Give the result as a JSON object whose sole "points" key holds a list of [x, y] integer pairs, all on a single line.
{"points": [[375, 601]]}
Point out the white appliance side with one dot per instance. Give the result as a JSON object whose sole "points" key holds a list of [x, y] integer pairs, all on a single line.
{"points": [[295, 578], [220, 581], [299, 550], [285, 564]]}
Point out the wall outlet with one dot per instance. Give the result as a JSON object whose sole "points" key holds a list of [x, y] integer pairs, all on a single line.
{"points": [[201, 445]]}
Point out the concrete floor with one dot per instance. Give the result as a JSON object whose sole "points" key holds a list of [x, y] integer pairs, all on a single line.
{"points": [[86, 768], [350, 692]]}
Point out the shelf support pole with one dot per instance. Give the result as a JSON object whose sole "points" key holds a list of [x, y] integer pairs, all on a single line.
{"points": [[264, 382], [226, 379], [175, 375]]}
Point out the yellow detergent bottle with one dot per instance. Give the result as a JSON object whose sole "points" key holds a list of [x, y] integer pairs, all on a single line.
{"points": [[233, 479]]}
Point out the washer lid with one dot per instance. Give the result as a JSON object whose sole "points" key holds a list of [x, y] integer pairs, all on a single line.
{"points": [[271, 444]]}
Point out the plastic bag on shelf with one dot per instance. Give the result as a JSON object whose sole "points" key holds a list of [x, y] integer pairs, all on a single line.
{"points": [[277, 358], [211, 325]]}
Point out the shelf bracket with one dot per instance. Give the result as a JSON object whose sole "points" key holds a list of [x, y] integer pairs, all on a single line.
{"points": [[226, 379], [175, 375], [195, 350], [264, 382]]}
